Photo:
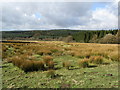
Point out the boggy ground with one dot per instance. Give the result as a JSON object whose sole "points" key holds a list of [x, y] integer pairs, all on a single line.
{"points": [[95, 75]]}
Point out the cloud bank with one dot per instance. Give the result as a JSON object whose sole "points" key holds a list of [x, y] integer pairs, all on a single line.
{"points": [[59, 15]]}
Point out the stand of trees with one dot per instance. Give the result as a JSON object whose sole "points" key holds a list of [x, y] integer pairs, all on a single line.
{"points": [[83, 36]]}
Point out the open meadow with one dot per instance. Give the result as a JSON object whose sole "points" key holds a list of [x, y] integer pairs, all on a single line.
{"points": [[56, 64]]}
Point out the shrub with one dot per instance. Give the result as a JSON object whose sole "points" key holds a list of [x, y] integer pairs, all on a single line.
{"points": [[94, 39], [66, 64], [83, 63], [68, 39], [108, 38], [51, 73]]}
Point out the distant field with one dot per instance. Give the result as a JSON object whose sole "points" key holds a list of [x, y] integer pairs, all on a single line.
{"points": [[55, 64]]}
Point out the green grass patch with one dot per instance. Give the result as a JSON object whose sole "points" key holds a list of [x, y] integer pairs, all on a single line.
{"points": [[104, 76]]}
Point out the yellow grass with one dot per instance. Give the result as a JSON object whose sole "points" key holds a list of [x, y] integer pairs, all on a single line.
{"points": [[49, 49]]}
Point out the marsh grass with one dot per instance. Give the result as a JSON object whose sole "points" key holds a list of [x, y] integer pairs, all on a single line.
{"points": [[47, 59], [114, 56], [66, 64], [47, 50], [97, 59], [38, 65], [83, 63], [50, 65], [50, 73], [27, 66]]}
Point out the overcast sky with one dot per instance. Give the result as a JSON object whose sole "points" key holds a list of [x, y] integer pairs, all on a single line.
{"points": [[59, 15]]}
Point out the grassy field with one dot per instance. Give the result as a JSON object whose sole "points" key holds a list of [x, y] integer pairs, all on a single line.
{"points": [[61, 65]]}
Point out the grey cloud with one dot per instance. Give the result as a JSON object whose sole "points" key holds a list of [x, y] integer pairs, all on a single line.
{"points": [[53, 15]]}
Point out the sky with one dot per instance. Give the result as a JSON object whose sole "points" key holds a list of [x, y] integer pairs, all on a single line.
{"points": [[59, 15]]}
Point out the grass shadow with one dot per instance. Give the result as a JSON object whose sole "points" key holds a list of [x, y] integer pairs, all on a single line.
{"points": [[106, 63], [3, 66], [56, 76], [73, 68], [92, 66], [57, 68]]}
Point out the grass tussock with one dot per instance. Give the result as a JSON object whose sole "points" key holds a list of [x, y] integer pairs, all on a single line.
{"points": [[96, 59], [23, 56], [67, 64], [51, 73], [38, 65], [47, 59], [114, 56], [83, 63], [50, 65], [17, 61], [27, 66]]}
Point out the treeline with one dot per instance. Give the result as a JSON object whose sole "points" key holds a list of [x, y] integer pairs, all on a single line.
{"points": [[93, 36], [87, 36]]}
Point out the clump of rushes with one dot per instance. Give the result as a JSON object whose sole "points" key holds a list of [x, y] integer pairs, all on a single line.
{"points": [[66, 65], [114, 56], [40, 52], [38, 65], [47, 59], [91, 59], [9, 60], [51, 65], [83, 63], [96, 59], [51, 73], [71, 53], [17, 61], [27, 66]]}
